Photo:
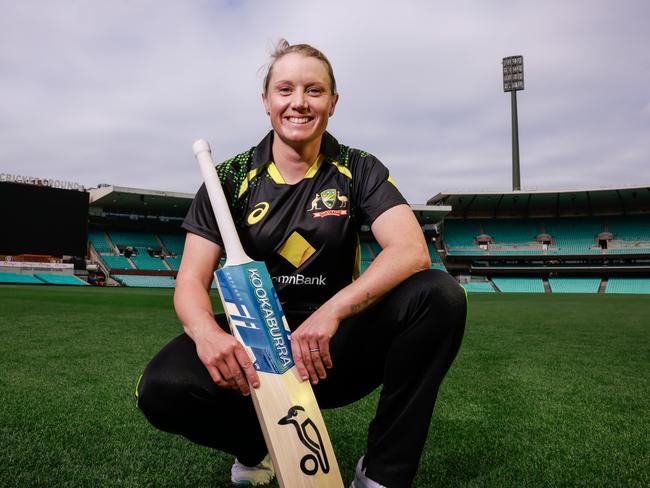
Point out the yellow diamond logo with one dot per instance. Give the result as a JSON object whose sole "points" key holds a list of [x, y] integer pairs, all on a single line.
{"points": [[296, 250]]}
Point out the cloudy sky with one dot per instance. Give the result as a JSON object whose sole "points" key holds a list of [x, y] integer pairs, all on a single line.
{"points": [[115, 92]]}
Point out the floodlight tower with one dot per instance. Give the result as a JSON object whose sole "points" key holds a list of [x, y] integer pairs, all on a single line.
{"points": [[513, 81]]}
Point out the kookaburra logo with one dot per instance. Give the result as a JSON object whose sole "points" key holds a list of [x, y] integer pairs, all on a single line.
{"points": [[310, 436]]}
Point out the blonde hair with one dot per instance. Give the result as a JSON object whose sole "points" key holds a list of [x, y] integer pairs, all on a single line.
{"points": [[283, 47]]}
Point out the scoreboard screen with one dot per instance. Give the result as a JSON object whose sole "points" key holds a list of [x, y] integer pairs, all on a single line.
{"points": [[42, 220]]}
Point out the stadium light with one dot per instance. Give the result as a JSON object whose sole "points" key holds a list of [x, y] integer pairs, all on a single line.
{"points": [[513, 81]]}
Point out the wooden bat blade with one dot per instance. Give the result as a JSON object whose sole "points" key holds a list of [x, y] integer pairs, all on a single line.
{"points": [[291, 421]]}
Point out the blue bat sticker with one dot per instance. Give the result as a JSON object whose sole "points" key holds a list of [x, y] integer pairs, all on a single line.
{"points": [[254, 310]]}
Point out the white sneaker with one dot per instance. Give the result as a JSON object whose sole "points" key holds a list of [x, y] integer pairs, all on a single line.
{"points": [[261, 474], [361, 480]]}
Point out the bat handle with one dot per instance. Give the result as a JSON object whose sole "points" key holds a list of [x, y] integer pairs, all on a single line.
{"points": [[235, 253]]}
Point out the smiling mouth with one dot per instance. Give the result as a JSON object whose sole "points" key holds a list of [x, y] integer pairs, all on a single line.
{"points": [[298, 120]]}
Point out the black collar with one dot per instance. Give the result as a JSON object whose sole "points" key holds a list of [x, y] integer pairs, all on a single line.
{"points": [[329, 147]]}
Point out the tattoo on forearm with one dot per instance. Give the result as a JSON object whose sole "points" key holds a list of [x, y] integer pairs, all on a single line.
{"points": [[358, 307]]}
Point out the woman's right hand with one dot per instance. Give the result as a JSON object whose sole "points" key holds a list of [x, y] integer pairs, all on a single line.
{"points": [[226, 360], [222, 355]]}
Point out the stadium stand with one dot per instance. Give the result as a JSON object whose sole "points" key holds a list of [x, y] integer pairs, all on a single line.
{"points": [[433, 252], [174, 262], [60, 279], [174, 243], [116, 262], [366, 256], [460, 235], [146, 281], [574, 285], [516, 239], [478, 287], [523, 236], [19, 278], [41, 278], [366, 252], [573, 241], [370, 249], [375, 248], [567, 236], [123, 239], [640, 286], [630, 228], [629, 235], [575, 235], [98, 239], [146, 262], [512, 232], [519, 285]]}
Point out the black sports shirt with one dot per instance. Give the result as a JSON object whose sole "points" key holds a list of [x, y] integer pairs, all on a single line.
{"points": [[306, 233]]}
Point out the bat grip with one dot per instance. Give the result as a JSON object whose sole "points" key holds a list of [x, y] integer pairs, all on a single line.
{"points": [[235, 253]]}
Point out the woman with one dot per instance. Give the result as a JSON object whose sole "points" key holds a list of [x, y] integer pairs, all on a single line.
{"points": [[299, 199]]}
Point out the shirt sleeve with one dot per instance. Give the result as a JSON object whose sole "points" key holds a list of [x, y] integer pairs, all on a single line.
{"points": [[375, 192], [200, 219]]}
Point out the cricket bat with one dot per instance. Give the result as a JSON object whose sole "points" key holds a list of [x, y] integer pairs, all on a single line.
{"points": [[286, 407]]}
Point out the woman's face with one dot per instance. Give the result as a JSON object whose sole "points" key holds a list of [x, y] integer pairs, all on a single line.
{"points": [[299, 99]]}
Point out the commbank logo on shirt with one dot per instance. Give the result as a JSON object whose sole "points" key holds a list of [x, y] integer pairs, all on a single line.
{"points": [[299, 279], [333, 202]]}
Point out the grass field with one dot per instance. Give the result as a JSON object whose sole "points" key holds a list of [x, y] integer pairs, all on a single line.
{"points": [[548, 390]]}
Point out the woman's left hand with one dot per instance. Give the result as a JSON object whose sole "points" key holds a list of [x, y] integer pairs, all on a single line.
{"points": [[310, 345]]}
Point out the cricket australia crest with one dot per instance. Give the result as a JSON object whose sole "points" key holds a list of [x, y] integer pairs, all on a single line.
{"points": [[333, 201]]}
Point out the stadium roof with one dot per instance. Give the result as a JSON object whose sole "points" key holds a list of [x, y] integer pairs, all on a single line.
{"points": [[120, 199], [430, 214], [561, 203]]}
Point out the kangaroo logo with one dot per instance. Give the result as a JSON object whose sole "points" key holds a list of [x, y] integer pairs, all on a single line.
{"points": [[330, 199], [310, 436]]}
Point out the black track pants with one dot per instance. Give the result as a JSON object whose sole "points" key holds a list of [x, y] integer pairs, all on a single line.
{"points": [[406, 343]]}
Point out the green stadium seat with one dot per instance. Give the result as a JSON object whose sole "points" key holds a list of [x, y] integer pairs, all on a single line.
{"points": [[478, 287], [366, 252], [98, 239], [512, 232], [116, 262], [574, 285], [433, 252], [60, 279], [19, 278], [134, 239], [146, 262], [519, 285], [174, 243], [631, 228], [174, 262], [637, 286], [461, 233], [146, 281], [575, 235], [375, 248]]}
